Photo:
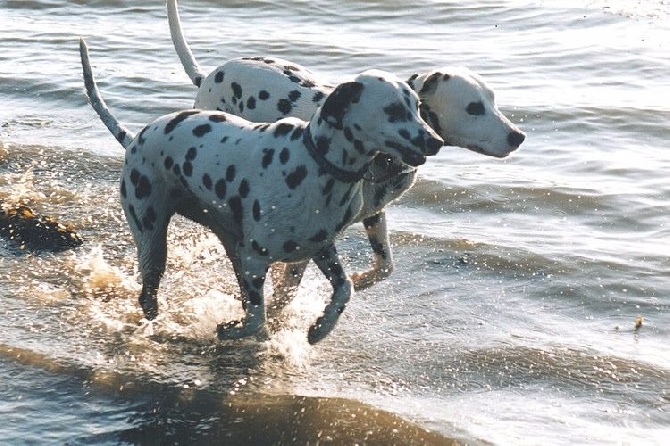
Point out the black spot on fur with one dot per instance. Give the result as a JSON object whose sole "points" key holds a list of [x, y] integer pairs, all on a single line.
{"points": [[191, 153], [411, 80], [328, 187], [476, 108], [143, 188], [430, 117], [136, 220], [207, 181], [235, 204], [283, 129], [263, 95], [220, 189], [322, 144], [297, 133], [268, 155], [202, 129], [134, 177], [290, 246], [237, 90], [140, 137], [294, 95], [284, 106], [348, 134], [176, 169], [251, 103], [346, 197], [244, 188], [256, 210], [123, 188], [430, 84], [219, 117], [339, 101], [397, 112], [318, 96], [319, 237], [188, 168], [149, 218], [218, 78], [294, 179], [180, 117], [230, 173], [168, 162], [284, 155], [345, 220]]}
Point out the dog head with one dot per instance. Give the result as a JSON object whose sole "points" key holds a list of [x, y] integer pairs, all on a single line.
{"points": [[462, 109], [378, 112]]}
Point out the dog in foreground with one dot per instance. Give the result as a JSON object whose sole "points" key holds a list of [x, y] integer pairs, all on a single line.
{"points": [[273, 192], [455, 101]]}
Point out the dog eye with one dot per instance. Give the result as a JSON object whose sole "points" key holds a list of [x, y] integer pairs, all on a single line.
{"points": [[476, 108]]}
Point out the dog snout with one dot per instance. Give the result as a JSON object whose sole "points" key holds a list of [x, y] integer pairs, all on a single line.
{"points": [[515, 138], [433, 145]]}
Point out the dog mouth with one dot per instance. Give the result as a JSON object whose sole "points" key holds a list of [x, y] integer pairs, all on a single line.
{"points": [[407, 155], [482, 151]]}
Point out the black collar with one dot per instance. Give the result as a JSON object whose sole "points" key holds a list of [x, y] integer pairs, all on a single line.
{"points": [[346, 176]]}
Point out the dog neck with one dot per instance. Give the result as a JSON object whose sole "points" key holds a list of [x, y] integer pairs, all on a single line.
{"points": [[329, 167]]}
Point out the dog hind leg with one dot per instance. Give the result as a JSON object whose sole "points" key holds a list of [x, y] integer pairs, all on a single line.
{"points": [[286, 279], [151, 240], [251, 273]]}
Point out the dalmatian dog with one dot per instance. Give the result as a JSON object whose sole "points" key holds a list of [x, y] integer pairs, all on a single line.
{"points": [[455, 101], [271, 192]]}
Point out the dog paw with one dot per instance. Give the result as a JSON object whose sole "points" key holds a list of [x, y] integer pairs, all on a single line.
{"points": [[364, 279], [317, 332], [150, 311], [229, 330], [240, 329]]}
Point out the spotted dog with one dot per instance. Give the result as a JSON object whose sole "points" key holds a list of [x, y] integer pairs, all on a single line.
{"points": [[273, 192], [455, 102]]}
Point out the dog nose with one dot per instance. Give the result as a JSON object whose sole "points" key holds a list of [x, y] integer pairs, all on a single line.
{"points": [[514, 139], [433, 145]]}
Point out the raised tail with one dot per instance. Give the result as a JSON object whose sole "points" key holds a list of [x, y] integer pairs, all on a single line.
{"points": [[120, 132], [183, 51]]}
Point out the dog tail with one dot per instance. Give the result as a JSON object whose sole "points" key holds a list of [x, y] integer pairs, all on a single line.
{"points": [[183, 50], [120, 132]]}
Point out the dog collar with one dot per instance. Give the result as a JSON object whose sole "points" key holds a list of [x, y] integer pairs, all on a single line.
{"points": [[346, 176]]}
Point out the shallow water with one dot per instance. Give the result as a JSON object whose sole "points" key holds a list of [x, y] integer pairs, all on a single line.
{"points": [[510, 317]]}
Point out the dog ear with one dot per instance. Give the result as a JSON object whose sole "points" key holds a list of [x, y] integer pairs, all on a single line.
{"points": [[430, 84], [339, 101]]}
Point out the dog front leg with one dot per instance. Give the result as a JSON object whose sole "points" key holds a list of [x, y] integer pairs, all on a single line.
{"points": [[251, 278], [382, 264], [329, 263]]}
